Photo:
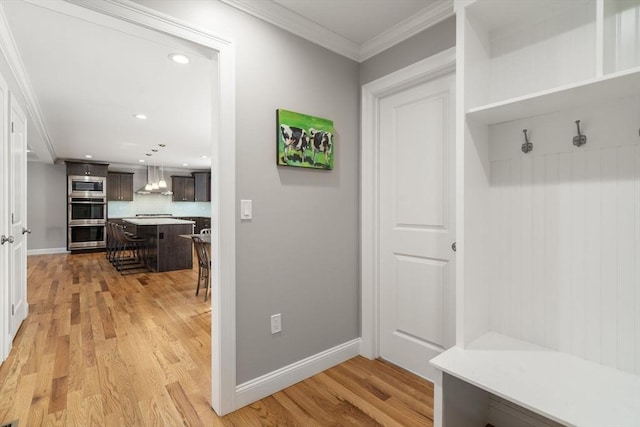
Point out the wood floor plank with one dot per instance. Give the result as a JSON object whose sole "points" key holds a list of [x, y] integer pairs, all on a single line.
{"points": [[102, 349]]}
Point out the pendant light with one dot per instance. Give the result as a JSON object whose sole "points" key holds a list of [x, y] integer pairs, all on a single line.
{"points": [[162, 183], [148, 186]]}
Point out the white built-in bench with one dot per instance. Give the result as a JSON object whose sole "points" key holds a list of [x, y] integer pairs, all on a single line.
{"points": [[558, 386]]}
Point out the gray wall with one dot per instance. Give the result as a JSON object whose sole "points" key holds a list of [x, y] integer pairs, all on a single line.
{"points": [[46, 205], [299, 255], [423, 45]]}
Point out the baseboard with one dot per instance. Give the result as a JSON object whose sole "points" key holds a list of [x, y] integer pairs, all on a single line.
{"points": [[273, 382], [47, 251]]}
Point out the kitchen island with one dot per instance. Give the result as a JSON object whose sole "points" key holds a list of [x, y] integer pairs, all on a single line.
{"points": [[167, 250]]}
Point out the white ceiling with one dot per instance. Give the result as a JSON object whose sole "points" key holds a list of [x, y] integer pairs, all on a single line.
{"points": [[90, 80], [86, 75], [357, 29]]}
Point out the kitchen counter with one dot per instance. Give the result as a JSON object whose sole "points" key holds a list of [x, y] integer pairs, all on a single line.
{"points": [[167, 251], [157, 221]]}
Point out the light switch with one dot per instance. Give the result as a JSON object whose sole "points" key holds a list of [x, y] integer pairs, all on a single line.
{"points": [[245, 209]]}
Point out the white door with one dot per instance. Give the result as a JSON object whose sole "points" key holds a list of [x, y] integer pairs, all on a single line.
{"points": [[417, 229], [5, 307], [18, 216]]}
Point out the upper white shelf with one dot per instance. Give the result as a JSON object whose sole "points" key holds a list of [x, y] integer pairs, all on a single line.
{"points": [[599, 90], [563, 388]]}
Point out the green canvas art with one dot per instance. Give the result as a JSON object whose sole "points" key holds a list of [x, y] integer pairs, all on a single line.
{"points": [[304, 141]]}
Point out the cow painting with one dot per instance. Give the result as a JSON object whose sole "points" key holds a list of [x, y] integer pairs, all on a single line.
{"points": [[304, 141], [320, 143], [294, 138]]}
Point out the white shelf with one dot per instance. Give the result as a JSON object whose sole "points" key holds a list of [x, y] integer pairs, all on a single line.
{"points": [[563, 388], [594, 91]]}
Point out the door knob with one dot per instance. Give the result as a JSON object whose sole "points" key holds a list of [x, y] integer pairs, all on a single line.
{"points": [[454, 246], [26, 230], [4, 239]]}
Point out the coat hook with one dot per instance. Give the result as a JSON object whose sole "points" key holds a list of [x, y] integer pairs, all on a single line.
{"points": [[527, 146], [579, 139]]}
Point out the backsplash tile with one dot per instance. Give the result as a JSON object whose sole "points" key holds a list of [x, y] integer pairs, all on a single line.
{"points": [[157, 204]]}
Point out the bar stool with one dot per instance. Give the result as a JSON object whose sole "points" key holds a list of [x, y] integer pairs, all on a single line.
{"points": [[204, 264]]}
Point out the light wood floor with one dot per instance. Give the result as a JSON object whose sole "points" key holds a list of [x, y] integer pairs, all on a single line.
{"points": [[102, 349]]}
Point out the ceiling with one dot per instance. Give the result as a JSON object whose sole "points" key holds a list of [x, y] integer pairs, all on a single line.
{"points": [[357, 29], [86, 75], [89, 78]]}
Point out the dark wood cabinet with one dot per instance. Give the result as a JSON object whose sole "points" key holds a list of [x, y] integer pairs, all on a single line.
{"points": [[183, 188], [202, 183], [93, 169], [120, 186]]}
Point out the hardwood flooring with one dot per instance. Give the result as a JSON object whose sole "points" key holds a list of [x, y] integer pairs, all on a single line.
{"points": [[101, 349]]}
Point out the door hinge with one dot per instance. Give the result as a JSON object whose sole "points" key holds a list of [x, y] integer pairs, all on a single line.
{"points": [[13, 220], [13, 309], [11, 127]]}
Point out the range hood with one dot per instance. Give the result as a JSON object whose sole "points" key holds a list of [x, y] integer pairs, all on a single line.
{"points": [[153, 175]]}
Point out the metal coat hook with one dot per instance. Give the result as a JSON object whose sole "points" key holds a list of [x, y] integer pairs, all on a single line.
{"points": [[527, 146], [579, 139]]}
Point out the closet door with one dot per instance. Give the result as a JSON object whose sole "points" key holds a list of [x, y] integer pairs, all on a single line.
{"points": [[18, 219], [5, 306]]}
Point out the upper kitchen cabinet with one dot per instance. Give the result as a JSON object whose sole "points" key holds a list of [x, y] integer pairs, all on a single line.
{"points": [[93, 169], [120, 186], [183, 188], [202, 182]]}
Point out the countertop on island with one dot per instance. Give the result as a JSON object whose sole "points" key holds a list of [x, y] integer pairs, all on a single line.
{"points": [[157, 221]]}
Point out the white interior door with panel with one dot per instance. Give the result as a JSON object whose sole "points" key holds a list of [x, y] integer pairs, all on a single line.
{"points": [[5, 307], [417, 226], [18, 219]]}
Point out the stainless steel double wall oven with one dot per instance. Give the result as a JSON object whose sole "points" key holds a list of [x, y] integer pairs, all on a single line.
{"points": [[87, 211]]}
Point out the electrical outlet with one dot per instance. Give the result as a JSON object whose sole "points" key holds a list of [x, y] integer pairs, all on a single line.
{"points": [[276, 323]]}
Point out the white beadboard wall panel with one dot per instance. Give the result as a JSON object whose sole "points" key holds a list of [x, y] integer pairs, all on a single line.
{"points": [[626, 223], [608, 257], [531, 56], [565, 234]]}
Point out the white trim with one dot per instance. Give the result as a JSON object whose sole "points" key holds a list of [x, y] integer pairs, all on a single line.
{"points": [[268, 384], [308, 29], [10, 51], [425, 70], [47, 251], [223, 286], [426, 18], [5, 335], [299, 25]]}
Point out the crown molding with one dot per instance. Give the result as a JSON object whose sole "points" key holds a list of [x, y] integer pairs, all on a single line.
{"points": [[297, 24], [302, 26], [12, 55], [408, 28]]}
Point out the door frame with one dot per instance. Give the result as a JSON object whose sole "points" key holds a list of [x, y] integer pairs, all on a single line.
{"points": [[223, 155], [372, 93]]}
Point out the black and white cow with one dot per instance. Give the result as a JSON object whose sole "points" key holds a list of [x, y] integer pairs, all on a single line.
{"points": [[294, 138], [321, 142]]}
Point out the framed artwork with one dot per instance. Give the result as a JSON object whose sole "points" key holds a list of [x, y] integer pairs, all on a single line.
{"points": [[304, 141]]}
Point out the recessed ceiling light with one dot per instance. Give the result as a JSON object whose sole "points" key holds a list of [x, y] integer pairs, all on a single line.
{"points": [[88, 156], [155, 150], [147, 154], [162, 145], [141, 160], [204, 157], [185, 164], [179, 58], [140, 116]]}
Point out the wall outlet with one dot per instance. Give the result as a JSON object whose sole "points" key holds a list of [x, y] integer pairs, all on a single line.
{"points": [[276, 323]]}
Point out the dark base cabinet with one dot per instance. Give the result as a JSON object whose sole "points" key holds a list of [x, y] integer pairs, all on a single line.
{"points": [[167, 250]]}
